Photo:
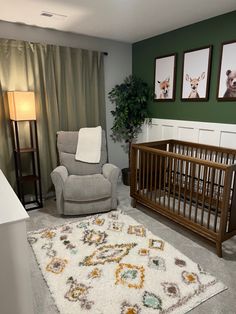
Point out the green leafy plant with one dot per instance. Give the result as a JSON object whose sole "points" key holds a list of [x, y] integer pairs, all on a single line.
{"points": [[131, 101]]}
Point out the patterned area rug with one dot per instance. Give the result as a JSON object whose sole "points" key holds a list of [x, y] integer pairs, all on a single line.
{"points": [[110, 264]]}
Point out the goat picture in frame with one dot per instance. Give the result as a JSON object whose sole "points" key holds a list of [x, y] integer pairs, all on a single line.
{"points": [[227, 72], [196, 74], [164, 78]]}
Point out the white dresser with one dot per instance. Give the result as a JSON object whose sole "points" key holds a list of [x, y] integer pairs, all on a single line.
{"points": [[15, 281]]}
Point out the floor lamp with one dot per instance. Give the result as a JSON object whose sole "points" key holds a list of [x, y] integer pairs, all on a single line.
{"points": [[22, 110]]}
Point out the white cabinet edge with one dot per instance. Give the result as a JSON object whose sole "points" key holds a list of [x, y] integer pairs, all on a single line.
{"points": [[11, 209]]}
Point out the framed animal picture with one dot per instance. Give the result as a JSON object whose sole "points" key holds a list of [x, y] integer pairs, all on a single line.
{"points": [[196, 74], [227, 72], [164, 78]]}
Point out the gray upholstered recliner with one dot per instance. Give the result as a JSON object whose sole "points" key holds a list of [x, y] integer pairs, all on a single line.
{"points": [[83, 188]]}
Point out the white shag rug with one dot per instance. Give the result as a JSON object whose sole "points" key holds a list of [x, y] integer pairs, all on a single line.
{"points": [[110, 264]]}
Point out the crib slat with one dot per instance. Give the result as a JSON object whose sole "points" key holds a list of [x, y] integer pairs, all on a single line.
{"points": [[205, 155], [174, 183], [192, 175], [211, 196], [143, 172], [139, 171], [148, 174], [233, 160], [151, 174], [208, 181], [185, 185], [165, 179], [217, 202], [155, 178], [211, 153], [221, 157], [198, 184], [178, 150], [160, 178], [201, 153], [180, 185], [169, 179], [192, 151], [227, 158], [218, 193], [203, 193], [187, 150], [139, 153]]}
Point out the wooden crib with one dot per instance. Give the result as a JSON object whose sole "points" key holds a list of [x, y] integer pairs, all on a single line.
{"points": [[190, 183]]}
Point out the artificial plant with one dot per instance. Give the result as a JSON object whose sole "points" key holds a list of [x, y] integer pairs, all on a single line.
{"points": [[131, 109]]}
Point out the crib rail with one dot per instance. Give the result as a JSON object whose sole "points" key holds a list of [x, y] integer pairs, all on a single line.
{"points": [[191, 184]]}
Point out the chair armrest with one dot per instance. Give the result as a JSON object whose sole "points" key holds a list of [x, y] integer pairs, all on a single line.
{"points": [[59, 176], [111, 172]]}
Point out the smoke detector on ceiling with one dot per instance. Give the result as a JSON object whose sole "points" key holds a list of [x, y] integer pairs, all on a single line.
{"points": [[53, 15]]}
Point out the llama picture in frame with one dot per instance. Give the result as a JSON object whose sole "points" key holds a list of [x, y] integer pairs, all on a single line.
{"points": [[196, 74], [164, 78], [227, 72]]}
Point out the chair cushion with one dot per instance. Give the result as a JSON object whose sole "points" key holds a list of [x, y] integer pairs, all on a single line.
{"points": [[67, 145], [75, 167], [86, 188]]}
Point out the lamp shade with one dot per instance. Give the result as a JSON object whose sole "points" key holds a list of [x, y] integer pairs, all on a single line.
{"points": [[21, 105]]}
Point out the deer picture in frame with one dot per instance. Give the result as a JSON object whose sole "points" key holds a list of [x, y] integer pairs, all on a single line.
{"points": [[196, 74], [194, 82]]}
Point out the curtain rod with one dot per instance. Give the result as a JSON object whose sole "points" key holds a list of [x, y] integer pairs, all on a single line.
{"points": [[105, 53]]}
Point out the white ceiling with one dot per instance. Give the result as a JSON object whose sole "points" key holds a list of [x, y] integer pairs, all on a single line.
{"points": [[123, 20]]}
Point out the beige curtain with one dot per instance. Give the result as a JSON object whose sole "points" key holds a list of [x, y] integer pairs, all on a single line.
{"points": [[69, 88], [6, 153]]}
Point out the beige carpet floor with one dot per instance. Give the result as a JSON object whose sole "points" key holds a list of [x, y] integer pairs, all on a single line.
{"points": [[190, 244]]}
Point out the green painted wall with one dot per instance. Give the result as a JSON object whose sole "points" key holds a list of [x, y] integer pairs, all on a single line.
{"points": [[209, 32]]}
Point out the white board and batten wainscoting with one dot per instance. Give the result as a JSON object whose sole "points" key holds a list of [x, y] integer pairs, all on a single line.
{"points": [[15, 281], [217, 134]]}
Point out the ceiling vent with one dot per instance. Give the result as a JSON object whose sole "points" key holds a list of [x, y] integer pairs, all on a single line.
{"points": [[53, 15]]}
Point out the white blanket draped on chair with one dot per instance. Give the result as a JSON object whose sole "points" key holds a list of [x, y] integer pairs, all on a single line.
{"points": [[89, 145]]}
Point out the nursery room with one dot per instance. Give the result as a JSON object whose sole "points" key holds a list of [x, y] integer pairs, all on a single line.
{"points": [[117, 157]]}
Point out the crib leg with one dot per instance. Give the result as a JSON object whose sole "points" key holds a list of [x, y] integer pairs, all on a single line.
{"points": [[219, 249], [133, 202]]}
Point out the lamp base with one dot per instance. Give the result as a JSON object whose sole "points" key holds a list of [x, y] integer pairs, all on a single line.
{"points": [[33, 205]]}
